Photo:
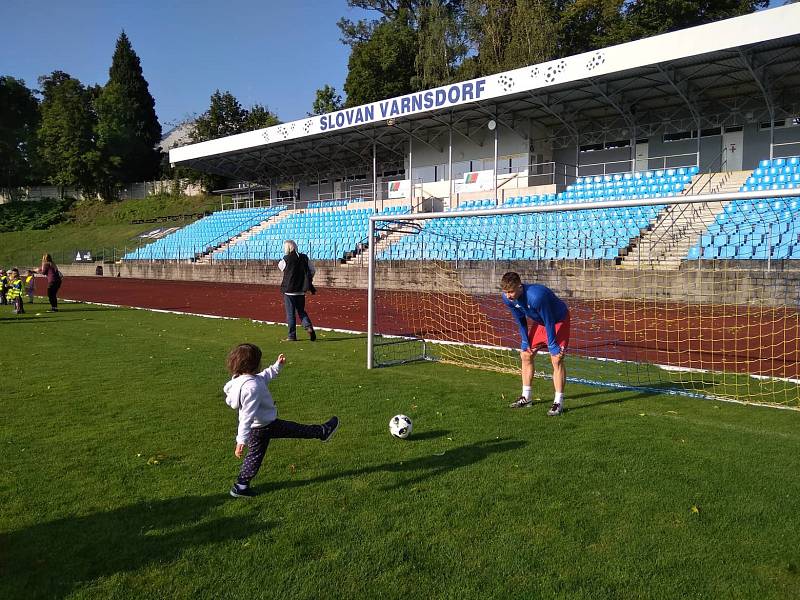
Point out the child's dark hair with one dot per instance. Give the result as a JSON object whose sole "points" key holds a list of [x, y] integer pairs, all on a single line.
{"points": [[244, 359]]}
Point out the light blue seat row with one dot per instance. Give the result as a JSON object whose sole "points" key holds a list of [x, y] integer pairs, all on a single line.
{"points": [[198, 237], [757, 229]]}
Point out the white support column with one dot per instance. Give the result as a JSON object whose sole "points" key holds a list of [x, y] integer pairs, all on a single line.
{"points": [[374, 177], [411, 170], [496, 130], [450, 167]]}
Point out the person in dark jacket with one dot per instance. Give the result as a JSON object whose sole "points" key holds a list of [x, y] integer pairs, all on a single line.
{"points": [[298, 275]]}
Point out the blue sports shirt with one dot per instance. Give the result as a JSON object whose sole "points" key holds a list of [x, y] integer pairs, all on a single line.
{"points": [[540, 304]]}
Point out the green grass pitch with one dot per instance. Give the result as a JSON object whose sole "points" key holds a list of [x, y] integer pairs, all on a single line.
{"points": [[117, 456]]}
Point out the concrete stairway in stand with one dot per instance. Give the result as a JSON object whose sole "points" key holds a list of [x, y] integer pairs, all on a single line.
{"points": [[679, 226]]}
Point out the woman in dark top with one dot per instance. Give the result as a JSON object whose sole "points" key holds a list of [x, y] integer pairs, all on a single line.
{"points": [[298, 275], [50, 270]]}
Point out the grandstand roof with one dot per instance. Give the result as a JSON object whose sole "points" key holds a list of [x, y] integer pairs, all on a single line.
{"points": [[730, 72]]}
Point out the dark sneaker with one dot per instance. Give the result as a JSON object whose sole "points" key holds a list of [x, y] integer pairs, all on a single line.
{"points": [[291, 339], [521, 402], [241, 491], [312, 334], [329, 428], [555, 410]]}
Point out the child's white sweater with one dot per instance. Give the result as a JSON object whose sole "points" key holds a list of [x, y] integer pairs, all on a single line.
{"points": [[250, 395]]}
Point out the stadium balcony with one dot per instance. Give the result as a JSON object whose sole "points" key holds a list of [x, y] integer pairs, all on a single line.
{"points": [[757, 229], [597, 234], [200, 237]]}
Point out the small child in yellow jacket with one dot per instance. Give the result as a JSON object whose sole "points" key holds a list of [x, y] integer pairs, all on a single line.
{"points": [[15, 291]]}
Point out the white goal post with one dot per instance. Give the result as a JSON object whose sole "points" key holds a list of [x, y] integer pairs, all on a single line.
{"points": [[706, 324]]}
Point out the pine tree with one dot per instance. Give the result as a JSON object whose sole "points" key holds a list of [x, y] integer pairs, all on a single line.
{"points": [[128, 130]]}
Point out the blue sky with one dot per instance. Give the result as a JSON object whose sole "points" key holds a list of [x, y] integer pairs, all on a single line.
{"points": [[267, 52], [270, 52]]}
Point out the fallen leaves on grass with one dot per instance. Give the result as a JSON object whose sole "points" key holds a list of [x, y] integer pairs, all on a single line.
{"points": [[156, 459]]}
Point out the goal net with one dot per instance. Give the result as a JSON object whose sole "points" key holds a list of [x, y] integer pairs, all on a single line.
{"points": [[693, 295]]}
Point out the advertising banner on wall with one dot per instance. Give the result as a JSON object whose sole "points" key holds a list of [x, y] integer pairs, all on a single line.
{"points": [[398, 189], [476, 181]]}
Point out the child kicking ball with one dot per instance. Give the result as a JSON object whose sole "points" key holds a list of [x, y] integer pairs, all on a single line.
{"points": [[248, 393]]}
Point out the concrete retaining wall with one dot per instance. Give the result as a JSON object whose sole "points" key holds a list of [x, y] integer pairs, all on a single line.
{"points": [[593, 280]]}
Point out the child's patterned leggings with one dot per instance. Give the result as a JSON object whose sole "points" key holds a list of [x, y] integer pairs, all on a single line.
{"points": [[259, 438]]}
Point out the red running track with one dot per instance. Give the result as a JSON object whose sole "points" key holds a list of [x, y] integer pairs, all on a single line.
{"points": [[731, 338], [330, 307]]}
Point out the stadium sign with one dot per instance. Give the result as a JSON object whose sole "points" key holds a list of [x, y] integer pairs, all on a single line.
{"points": [[405, 105], [83, 256]]}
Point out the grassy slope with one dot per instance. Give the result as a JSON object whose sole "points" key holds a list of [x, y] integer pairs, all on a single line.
{"points": [[117, 456], [95, 226]]}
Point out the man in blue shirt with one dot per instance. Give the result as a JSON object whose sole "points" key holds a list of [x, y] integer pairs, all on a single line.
{"points": [[549, 329]]}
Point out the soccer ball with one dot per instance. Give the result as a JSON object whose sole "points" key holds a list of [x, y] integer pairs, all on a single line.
{"points": [[400, 426]]}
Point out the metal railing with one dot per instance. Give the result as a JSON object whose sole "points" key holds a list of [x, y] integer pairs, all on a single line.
{"points": [[780, 146]]}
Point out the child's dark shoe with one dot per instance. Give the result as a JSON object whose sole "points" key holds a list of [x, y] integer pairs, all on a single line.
{"points": [[241, 491], [329, 428]]}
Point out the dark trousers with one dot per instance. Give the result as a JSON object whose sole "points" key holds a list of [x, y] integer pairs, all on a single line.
{"points": [[18, 308], [52, 292], [295, 304], [259, 438]]}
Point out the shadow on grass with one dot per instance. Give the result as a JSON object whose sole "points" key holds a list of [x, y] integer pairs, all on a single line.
{"points": [[33, 319], [635, 393], [71, 308], [51, 559], [419, 469], [428, 435], [618, 397]]}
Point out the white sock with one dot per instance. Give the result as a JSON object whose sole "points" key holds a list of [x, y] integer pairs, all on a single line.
{"points": [[526, 391], [559, 397]]}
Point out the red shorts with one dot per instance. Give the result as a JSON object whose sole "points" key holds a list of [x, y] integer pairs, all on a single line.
{"points": [[537, 335]]}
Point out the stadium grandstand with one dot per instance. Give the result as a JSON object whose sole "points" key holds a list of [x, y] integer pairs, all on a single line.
{"points": [[652, 183]]}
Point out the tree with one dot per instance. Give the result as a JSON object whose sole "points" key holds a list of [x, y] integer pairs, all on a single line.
{"points": [[226, 116], [533, 34], [259, 117], [19, 120], [644, 18], [128, 131], [508, 35], [66, 132], [358, 32], [383, 66], [488, 26], [585, 25], [327, 100], [442, 45]]}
